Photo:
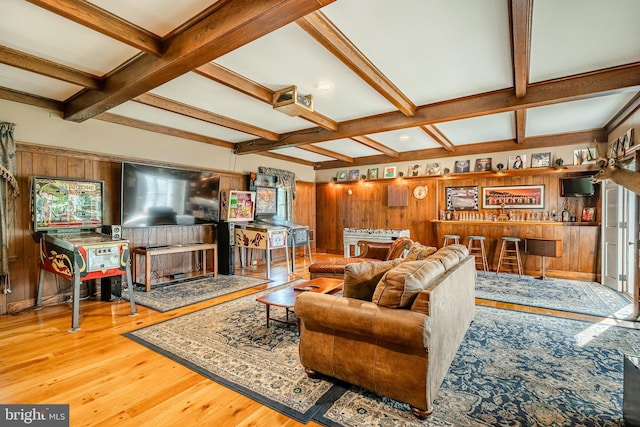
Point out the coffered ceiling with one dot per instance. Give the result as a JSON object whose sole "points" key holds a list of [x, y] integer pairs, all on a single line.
{"points": [[409, 79]]}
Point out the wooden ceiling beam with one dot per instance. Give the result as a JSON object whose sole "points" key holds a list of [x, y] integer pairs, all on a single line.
{"points": [[206, 116], [235, 81], [371, 143], [323, 151], [36, 101], [318, 26], [632, 106], [232, 25], [438, 137], [47, 68], [521, 15], [165, 130], [91, 16], [583, 86], [521, 125]]}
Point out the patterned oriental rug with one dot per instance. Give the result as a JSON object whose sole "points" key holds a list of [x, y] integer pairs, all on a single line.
{"points": [[558, 294], [512, 368], [169, 296]]}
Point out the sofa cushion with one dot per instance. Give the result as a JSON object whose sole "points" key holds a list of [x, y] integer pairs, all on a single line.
{"points": [[335, 265], [418, 252], [361, 278], [448, 258], [400, 285]]}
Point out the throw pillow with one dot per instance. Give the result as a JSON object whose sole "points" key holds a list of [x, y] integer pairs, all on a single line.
{"points": [[361, 278], [400, 285], [418, 252]]}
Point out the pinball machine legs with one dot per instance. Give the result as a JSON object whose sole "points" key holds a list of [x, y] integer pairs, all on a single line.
{"points": [[76, 296]]}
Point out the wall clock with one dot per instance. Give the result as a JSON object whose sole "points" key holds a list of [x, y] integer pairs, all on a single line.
{"points": [[420, 192]]}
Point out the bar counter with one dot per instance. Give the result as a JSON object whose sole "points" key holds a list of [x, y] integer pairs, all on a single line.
{"points": [[580, 258]]}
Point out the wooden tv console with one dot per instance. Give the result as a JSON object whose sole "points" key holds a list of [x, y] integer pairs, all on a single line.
{"points": [[149, 252]]}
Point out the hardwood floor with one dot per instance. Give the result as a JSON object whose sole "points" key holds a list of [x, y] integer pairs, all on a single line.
{"points": [[110, 380]]}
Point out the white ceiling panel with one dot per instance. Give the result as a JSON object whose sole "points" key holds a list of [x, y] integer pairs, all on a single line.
{"points": [[289, 56], [298, 153], [493, 127], [574, 116], [60, 40], [406, 139], [149, 114], [575, 36], [36, 84], [145, 13], [348, 147], [431, 49]]}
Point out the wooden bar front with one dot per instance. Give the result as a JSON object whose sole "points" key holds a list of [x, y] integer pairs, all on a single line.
{"points": [[580, 259]]}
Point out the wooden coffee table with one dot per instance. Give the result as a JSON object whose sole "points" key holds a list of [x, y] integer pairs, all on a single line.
{"points": [[287, 297]]}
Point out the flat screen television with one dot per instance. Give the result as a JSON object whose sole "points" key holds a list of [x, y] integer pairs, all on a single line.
{"points": [[157, 195], [66, 203], [580, 186]]}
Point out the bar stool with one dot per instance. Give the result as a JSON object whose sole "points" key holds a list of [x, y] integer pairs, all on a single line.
{"points": [[454, 237], [478, 251], [510, 256]]}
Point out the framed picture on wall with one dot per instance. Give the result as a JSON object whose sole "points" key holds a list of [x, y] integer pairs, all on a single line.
{"points": [[433, 168], [342, 176], [588, 214], [415, 170], [354, 174], [462, 198], [372, 173], [518, 196]]}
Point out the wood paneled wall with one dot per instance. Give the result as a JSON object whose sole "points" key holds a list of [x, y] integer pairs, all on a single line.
{"points": [[364, 204], [41, 160]]}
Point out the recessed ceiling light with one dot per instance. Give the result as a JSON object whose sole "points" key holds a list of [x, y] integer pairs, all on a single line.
{"points": [[324, 86]]}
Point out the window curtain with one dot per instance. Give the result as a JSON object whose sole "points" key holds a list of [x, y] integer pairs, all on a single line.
{"points": [[285, 178], [8, 192]]}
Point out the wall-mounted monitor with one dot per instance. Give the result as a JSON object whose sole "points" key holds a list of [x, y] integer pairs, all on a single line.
{"points": [[66, 203], [580, 186], [157, 195], [238, 205]]}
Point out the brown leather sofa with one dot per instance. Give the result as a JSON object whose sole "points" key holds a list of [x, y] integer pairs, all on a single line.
{"points": [[369, 251], [400, 341]]}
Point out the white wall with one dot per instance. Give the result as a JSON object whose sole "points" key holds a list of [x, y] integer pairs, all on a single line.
{"points": [[43, 127]]}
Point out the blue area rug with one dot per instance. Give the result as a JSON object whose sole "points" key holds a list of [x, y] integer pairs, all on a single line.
{"points": [[172, 295], [512, 368], [558, 294]]}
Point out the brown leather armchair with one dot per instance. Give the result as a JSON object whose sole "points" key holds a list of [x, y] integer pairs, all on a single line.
{"points": [[369, 251]]}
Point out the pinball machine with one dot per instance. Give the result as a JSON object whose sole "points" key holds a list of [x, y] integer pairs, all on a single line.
{"points": [[66, 213]]}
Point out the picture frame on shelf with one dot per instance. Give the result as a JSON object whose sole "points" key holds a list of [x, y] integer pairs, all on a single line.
{"points": [[518, 161], [462, 198], [541, 160], [513, 196], [372, 173], [414, 170], [586, 156], [461, 166], [588, 214], [354, 174], [483, 164], [433, 168], [342, 176], [389, 172]]}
